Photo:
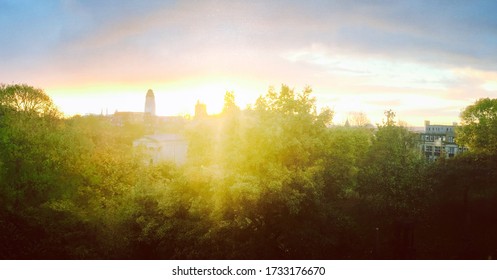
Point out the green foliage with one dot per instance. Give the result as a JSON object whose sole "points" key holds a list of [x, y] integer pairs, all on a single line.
{"points": [[463, 208], [27, 99], [201, 140], [30, 138], [272, 182], [390, 115], [479, 126], [345, 150], [268, 173], [230, 106], [391, 173]]}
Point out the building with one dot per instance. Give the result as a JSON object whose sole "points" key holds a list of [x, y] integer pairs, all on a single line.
{"points": [[122, 118], [167, 147], [163, 148], [147, 116], [439, 141], [150, 103]]}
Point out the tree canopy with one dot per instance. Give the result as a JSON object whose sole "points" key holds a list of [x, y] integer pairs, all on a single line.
{"points": [[272, 181], [478, 130], [27, 99]]}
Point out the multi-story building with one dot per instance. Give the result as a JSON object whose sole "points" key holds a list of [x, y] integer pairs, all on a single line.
{"points": [[439, 141]]}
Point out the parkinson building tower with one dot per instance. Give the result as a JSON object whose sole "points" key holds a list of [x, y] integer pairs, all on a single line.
{"points": [[150, 103]]}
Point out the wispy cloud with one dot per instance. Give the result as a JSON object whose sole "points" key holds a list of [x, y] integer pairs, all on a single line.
{"points": [[374, 71]]}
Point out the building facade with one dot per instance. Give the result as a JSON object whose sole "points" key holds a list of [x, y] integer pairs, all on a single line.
{"points": [[122, 118], [163, 148], [439, 141]]}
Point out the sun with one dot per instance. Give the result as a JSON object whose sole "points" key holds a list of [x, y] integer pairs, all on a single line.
{"points": [[181, 96]]}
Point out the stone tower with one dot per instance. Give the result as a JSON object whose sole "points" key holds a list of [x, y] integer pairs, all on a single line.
{"points": [[150, 103], [200, 110]]}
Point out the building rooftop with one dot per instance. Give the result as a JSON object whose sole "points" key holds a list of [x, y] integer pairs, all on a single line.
{"points": [[164, 137]]}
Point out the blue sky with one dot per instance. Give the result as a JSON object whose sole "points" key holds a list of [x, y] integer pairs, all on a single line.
{"points": [[423, 59]]}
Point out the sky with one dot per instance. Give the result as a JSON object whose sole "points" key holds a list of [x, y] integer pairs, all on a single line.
{"points": [[425, 60]]}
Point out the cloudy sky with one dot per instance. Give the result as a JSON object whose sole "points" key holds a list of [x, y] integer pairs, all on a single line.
{"points": [[422, 59]]}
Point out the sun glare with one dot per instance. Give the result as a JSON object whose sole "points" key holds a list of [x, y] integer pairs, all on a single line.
{"points": [[178, 98], [172, 98]]}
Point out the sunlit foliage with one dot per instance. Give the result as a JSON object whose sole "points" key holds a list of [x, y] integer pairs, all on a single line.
{"points": [[275, 180], [479, 126]]}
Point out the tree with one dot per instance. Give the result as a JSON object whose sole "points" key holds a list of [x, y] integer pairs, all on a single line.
{"points": [[230, 106], [390, 169], [390, 121], [345, 148], [29, 127], [464, 206], [391, 181], [27, 99], [479, 126], [359, 119], [38, 156], [269, 195]]}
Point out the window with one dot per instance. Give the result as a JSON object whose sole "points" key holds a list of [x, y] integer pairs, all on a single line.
{"points": [[437, 150]]}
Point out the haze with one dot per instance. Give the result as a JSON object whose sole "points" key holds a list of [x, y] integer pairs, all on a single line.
{"points": [[422, 59]]}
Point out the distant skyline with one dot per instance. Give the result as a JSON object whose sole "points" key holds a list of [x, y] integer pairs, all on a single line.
{"points": [[422, 59]]}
